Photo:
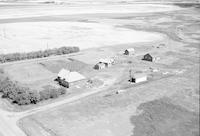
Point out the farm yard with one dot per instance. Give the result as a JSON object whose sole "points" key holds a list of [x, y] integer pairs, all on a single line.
{"points": [[106, 102]]}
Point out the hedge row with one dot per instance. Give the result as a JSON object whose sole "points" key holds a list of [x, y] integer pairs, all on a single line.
{"points": [[24, 96], [37, 54], [52, 92]]}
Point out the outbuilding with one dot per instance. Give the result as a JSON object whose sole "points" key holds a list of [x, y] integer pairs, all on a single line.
{"points": [[147, 57], [129, 51], [69, 76], [138, 77], [104, 63], [99, 66], [107, 62]]}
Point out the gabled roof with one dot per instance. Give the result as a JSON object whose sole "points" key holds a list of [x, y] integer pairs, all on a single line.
{"points": [[152, 54], [106, 61], [70, 76], [101, 64], [147, 54], [63, 73], [74, 76], [130, 49]]}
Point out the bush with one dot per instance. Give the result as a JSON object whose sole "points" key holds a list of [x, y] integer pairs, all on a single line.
{"points": [[37, 54], [62, 90], [53, 93], [17, 94], [22, 97], [34, 97], [6, 87], [44, 95]]}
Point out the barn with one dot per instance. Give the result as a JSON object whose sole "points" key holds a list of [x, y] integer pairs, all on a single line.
{"points": [[147, 57], [70, 76], [138, 77], [129, 51]]}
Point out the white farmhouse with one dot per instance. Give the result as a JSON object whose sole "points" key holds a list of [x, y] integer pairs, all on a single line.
{"points": [[69, 76]]}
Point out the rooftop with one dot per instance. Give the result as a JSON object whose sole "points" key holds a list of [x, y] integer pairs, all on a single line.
{"points": [[139, 75], [130, 49], [70, 76]]}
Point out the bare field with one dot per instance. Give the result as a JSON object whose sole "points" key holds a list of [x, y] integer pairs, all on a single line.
{"points": [[26, 29], [33, 36], [37, 10]]}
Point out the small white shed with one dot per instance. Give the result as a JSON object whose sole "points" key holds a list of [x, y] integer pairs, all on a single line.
{"points": [[129, 51], [139, 77], [107, 62], [99, 66]]}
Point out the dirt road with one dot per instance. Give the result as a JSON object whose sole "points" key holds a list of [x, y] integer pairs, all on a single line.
{"points": [[8, 126]]}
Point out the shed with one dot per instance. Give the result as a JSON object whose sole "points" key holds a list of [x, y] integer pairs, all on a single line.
{"points": [[69, 76], [129, 51], [107, 62], [147, 57], [138, 77], [100, 66]]}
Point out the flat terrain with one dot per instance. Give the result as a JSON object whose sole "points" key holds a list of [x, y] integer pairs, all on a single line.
{"points": [[167, 104], [26, 38], [39, 27]]}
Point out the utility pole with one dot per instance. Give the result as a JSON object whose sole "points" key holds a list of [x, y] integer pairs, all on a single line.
{"points": [[130, 74]]}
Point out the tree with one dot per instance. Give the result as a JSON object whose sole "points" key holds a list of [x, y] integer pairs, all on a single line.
{"points": [[37, 54], [6, 87], [61, 90], [53, 93], [44, 94], [34, 97], [23, 97]]}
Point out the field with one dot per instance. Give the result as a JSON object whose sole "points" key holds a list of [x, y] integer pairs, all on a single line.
{"points": [[167, 104], [84, 35]]}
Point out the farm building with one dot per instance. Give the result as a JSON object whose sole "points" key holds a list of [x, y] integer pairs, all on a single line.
{"points": [[107, 62], [104, 63], [129, 51], [100, 66], [138, 77], [69, 76], [151, 58], [148, 57]]}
